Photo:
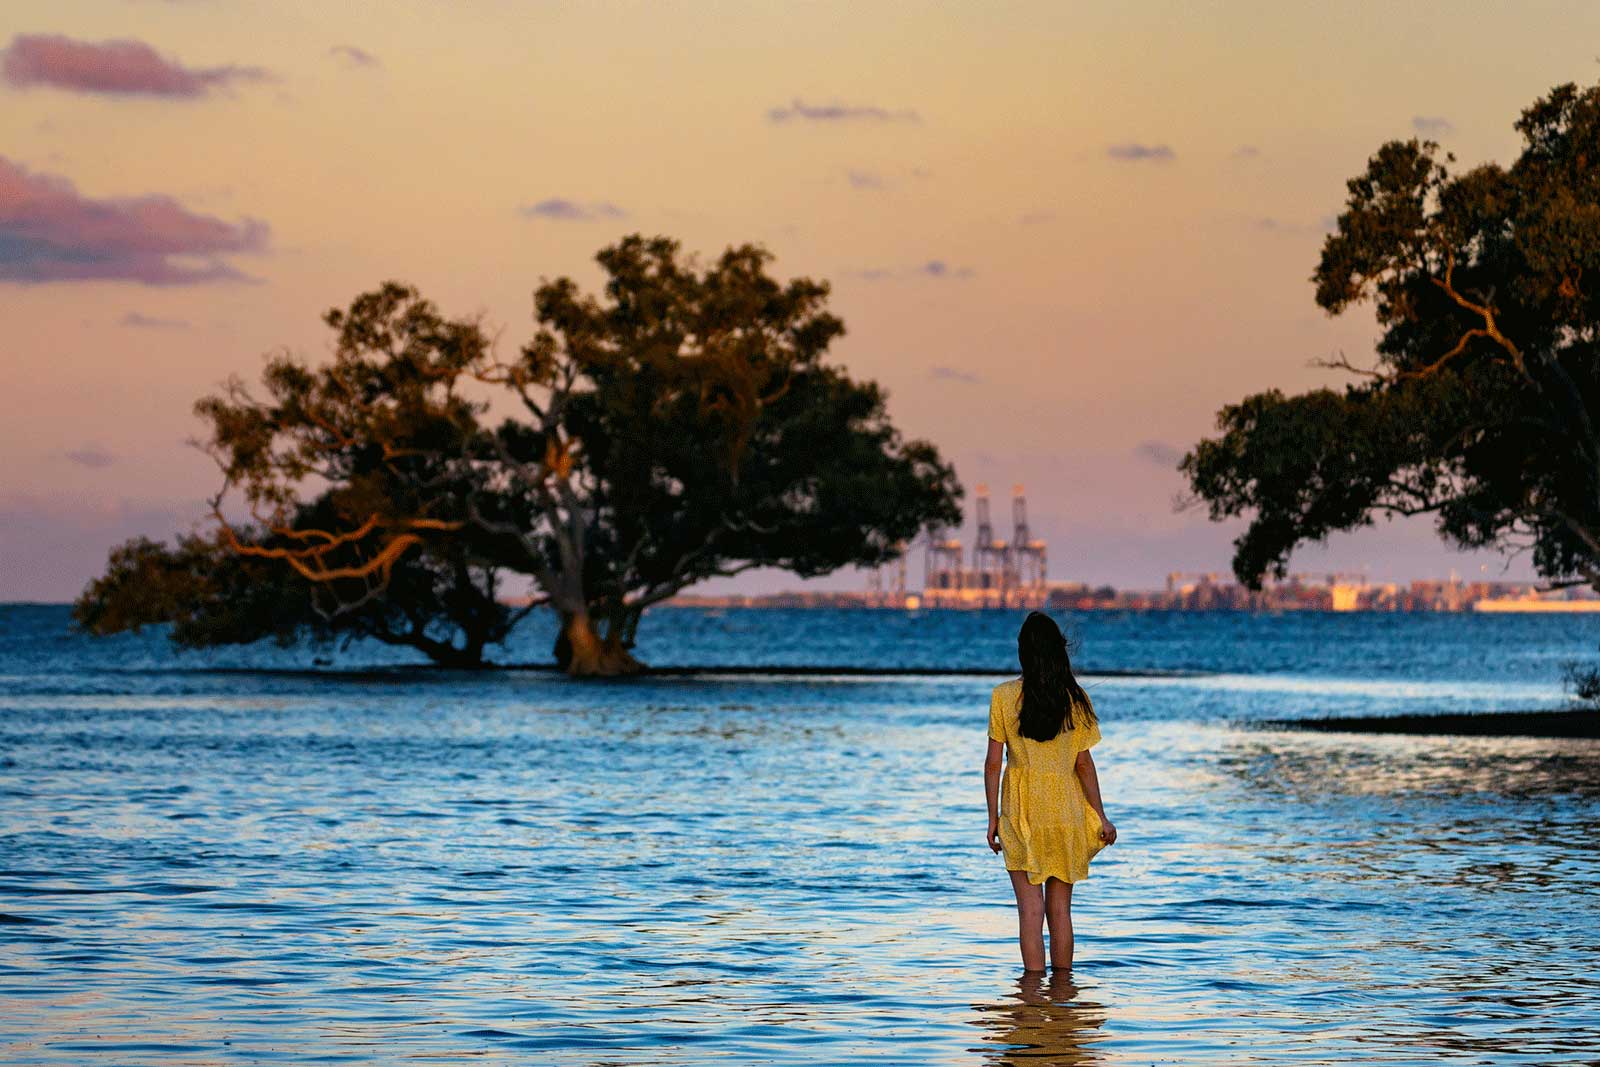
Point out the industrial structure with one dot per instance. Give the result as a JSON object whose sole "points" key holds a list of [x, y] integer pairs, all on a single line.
{"points": [[993, 572], [1001, 574], [886, 585], [997, 573]]}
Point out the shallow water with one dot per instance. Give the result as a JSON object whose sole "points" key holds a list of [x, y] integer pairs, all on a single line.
{"points": [[201, 867]]}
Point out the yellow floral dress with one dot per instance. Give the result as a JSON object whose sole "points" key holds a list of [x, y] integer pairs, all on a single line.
{"points": [[1047, 826]]}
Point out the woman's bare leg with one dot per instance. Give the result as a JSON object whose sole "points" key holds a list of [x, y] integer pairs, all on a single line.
{"points": [[1058, 910], [1030, 921]]}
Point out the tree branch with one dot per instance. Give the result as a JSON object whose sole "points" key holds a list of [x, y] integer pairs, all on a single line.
{"points": [[1490, 329], [1344, 364]]}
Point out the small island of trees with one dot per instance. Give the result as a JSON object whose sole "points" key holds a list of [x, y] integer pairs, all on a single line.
{"points": [[681, 425]]}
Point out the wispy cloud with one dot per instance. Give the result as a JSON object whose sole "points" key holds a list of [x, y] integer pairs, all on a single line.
{"points": [[1134, 152], [136, 321], [933, 268], [1270, 224], [1429, 125], [1246, 151], [112, 68], [800, 111], [91, 456], [1035, 218], [938, 268], [879, 180], [564, 210], [49, 232], [1159, 452], [954, 374], [351, 56]]}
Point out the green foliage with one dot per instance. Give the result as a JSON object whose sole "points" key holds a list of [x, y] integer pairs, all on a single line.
{"points": [[210, 594], [709, 437], [377, 424], [214, 595], [681, 425], [1583, 681], [1482, 408]]}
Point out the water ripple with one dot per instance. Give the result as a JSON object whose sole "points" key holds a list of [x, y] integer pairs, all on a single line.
{"points": [[202, 868]]}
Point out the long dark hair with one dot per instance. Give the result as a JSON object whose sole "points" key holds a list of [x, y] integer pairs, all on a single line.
{"points": [[1050, 694]]}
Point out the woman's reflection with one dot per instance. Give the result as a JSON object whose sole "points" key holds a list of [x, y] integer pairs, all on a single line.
{"points": [[1043, 1023]]}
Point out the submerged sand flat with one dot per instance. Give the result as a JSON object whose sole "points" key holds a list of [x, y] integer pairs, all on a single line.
{"points": [[1571, 723]]}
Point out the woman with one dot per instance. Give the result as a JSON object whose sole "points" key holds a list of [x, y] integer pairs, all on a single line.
{"points": [[1051, 822]]}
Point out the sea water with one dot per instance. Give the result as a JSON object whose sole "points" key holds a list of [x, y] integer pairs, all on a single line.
{"points": [[241, 856]]}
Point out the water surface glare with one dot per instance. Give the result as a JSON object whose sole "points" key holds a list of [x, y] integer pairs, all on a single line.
{"points": [[202, 868]]}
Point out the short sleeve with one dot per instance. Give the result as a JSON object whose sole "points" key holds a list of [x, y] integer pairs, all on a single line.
{"points": [[1091, 736], [997, 716], [1091, 732]]}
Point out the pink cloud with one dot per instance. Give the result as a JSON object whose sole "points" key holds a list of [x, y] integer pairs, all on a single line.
{"points": [[116, 68], [49, 232]]}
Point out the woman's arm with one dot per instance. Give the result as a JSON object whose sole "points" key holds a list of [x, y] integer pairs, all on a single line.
{"points": [[1091, 789], [991, 790]]}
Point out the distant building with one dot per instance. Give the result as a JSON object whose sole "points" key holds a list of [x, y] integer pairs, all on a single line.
{"points": [[1195, 592], [1014, 573], [1535, 603]]}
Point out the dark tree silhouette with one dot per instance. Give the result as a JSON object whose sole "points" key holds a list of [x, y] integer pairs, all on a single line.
{"points": [[1483, 406], [686, 426], [681, 426], [437, 601]]}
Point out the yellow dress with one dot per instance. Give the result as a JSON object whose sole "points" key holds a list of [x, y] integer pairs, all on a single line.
{"points": [[1047, 826]]}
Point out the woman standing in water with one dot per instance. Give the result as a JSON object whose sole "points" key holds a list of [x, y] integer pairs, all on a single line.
{"points": [[1044, 811]]}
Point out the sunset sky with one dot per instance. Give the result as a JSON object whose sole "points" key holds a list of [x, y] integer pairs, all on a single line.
{"points": [[1061, 235]]}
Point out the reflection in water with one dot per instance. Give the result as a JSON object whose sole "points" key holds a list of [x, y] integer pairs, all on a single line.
{"points": [[1043, 1023], [1505, 814], [510, 869], [1320, 765]]}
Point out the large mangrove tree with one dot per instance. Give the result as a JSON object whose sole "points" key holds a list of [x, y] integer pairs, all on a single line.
{"points": [[1482, 407], [679, 425]]}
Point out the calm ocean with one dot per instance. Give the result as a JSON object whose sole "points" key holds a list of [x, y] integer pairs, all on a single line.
{"points": [[225, 858]]}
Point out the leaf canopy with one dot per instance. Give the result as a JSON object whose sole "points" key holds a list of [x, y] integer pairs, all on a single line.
{"points": [[1483, 406]]}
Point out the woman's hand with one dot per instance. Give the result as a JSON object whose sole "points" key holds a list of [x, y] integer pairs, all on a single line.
{"points": [[994, 835], [1108, 832]]}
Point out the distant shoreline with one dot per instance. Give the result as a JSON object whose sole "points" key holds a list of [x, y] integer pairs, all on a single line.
{"points": [[1575, 722], [794, 670], [1136, 602]]}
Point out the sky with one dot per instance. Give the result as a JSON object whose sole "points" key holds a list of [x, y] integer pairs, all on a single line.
{"points": [[1061, 235]]}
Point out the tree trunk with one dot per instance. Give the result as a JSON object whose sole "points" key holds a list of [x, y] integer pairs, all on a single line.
{"points": [[442, 653], [582, 652]]}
